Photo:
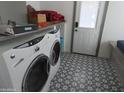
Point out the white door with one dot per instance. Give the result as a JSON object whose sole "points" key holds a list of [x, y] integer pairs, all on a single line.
{"points": [[88, 18]]}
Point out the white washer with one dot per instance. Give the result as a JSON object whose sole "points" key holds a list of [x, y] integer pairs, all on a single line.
{"points": [[29, 65]]}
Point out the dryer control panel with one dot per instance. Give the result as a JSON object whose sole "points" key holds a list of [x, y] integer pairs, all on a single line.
{"points": [[29, 43], [55, 30]]}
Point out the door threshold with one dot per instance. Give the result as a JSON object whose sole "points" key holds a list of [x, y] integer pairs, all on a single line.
{"points": [[84, 54]]}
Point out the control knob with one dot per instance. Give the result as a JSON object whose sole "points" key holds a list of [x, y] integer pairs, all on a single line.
{"points": [[37, 48]]}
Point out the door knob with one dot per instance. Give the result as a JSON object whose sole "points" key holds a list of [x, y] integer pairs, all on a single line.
{"points": [[76, 30]]}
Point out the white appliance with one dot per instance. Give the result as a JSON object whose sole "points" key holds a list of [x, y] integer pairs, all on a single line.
{"points": [[31, 65], [54, 55]]}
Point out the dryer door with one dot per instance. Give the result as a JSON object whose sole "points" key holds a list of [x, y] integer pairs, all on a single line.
{"points": [[36, 75], [55, 53]]}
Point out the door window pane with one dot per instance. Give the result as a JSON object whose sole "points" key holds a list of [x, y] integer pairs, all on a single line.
{"points": [[88, 14]]}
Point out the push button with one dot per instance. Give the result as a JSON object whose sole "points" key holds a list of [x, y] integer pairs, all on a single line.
{"points": [[12, 56]]}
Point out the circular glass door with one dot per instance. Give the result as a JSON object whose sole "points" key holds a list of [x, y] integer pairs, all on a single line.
{"points": [[55, 53], [36, 75]]}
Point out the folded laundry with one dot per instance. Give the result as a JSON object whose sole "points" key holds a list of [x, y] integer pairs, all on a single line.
{"points": [[50, 15]]}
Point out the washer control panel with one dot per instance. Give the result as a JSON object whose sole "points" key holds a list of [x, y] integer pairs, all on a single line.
{"points": [[29, 43]]}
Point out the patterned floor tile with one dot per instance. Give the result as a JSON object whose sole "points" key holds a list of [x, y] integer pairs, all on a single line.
{"points": [[85, 73]]}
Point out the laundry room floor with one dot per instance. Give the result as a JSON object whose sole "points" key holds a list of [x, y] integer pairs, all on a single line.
{"points": [[86, 74]]}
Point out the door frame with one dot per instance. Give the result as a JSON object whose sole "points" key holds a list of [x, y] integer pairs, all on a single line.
{"points": [[101, 27]]}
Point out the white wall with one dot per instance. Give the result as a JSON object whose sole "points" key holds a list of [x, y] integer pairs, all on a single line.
{"points": [[13, 10], [114, 27], [66, 9], [34, 4]]}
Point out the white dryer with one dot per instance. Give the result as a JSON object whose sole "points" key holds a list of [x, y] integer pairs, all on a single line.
{"points": [[29, 65], [54, 55]]}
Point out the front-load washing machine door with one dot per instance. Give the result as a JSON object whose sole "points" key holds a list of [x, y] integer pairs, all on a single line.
{"points": [[36, 75], [55, 53]]}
